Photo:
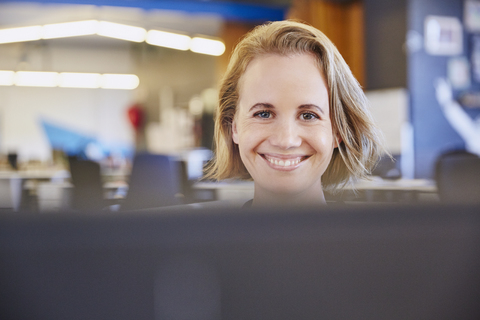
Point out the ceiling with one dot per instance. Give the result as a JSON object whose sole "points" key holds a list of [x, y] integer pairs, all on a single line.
{"points": [[144, 12], [204, 17], [15, 14]]}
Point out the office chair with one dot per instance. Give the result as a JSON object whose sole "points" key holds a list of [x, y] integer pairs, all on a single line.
{"points": [[388, 168], [87, 192], [458, 177], [154, 182]]}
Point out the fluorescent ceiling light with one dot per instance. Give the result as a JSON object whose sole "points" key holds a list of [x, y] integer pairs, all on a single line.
{"points": [[119, 81], [70, 29], [20, 34], [114, 30], [69, 80], [207, 46], [79, 80], [168, 40], [121, 31], [6, 78], [36, 79]]}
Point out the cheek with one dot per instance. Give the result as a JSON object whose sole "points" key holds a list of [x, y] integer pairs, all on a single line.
{"points": [[325, 143], [247, 132], [249, 143]]}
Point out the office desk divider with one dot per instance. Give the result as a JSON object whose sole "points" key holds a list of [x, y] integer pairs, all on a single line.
{"points": [[360, 262]]}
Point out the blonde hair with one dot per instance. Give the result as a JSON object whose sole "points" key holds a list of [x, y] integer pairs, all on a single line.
{"points": [[361, 143]]}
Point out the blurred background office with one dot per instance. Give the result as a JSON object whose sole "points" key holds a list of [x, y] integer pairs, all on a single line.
{"points": [[108, 81]]}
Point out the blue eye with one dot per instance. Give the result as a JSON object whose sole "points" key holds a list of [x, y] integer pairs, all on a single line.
{"points": [[263, 114], [309, 116]]}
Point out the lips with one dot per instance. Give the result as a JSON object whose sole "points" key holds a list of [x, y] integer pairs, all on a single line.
{"points": [[284, 161]]}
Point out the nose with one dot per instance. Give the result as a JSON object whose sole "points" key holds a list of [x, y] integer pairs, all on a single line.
{"points": [[285, 135]]}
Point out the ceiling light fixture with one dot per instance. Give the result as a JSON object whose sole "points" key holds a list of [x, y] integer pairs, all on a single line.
{"points": [[20, 34], [36, 79], [119, 81], [70, 29], [69, 80], [168, 40], [121, 31], [114, 30], [6, 78], [79, 80], [207, 46]]}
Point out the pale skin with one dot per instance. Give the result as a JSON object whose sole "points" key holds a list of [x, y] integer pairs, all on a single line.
{"points": [[283, 129]]}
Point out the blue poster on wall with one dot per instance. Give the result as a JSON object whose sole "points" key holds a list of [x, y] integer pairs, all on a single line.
{"points": [[75, 143], [67, 140]]}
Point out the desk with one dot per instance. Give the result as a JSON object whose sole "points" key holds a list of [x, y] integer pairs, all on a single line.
{"points": [[377, 189], [377, 183], [223, 190], [363, 190], [14, 188], [37, 174], [46, 189]]}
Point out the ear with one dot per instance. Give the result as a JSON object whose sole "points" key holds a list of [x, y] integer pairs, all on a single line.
{"points": [[337, 139], [234, 131]]}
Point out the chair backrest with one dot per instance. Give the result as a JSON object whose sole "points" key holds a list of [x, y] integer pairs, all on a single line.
{"points": [[154, 182], [87, 185], [458, 177]]}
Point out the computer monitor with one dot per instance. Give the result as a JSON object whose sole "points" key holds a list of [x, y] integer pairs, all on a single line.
{"points": [[358, 262]]}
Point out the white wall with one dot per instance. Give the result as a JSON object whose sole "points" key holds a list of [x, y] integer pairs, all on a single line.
{"points": [[389, 108], [97, 112]]}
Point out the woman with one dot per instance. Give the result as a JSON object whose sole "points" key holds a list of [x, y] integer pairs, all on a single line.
{"points": [[292, 117]]}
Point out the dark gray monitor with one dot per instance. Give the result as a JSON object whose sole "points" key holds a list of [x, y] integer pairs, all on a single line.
{"points": [[367, 262]]}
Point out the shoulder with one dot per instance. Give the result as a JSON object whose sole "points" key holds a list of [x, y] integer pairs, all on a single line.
{"points": [[248, 204]]}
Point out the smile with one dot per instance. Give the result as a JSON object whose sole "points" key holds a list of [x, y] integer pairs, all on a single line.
{"points": [[285, 163]]}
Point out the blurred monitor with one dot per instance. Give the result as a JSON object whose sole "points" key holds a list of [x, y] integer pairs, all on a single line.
{"points": [[366, 262]]}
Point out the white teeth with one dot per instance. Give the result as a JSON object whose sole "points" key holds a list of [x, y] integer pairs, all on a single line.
{"points": [[283, 163]]}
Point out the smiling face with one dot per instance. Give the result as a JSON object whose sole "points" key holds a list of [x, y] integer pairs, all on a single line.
{"points": [[282, 126]]}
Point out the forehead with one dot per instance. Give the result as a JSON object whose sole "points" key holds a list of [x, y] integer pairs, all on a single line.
{"points": [[266, 59], [274, 75]]}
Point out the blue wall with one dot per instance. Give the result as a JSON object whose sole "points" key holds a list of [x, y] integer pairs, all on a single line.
{"points": [[233, 11], [432, 133]]}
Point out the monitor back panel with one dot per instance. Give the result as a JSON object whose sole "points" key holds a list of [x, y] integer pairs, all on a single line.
{"points": [[363, 263]]}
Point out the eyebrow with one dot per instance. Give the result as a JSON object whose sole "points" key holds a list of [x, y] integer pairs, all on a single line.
{"points": [[262, 105], [310, 106], [303, 106]]}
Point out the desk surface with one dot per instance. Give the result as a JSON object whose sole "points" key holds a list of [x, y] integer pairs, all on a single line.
{"points": [[237, 184], [48, 173], [422, 185], [42, 174], [376, 183]]}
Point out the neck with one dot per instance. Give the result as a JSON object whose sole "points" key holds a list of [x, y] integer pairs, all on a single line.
{"points": [[263, 198]]}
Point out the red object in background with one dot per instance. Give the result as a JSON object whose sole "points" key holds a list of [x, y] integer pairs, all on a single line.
{"points": [[135, 115]]}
